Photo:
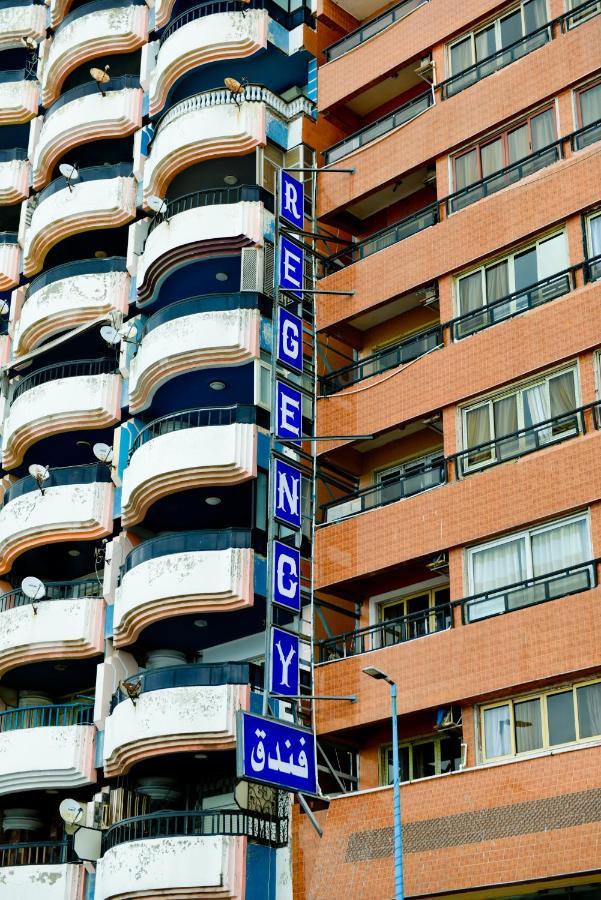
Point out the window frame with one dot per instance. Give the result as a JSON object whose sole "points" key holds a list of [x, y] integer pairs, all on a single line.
{"points": [[582, 89], [394, 601], [593, 214], [385, 749]]}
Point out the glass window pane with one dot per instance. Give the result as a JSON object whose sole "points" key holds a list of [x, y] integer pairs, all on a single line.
{"points": [[497, 281], [525, 269], [511, 28], [562, 394], [461, 55], [450, 754], [590, 105], [560, 547], [498, 565], [535, 15], [477, 423], [470, 292], [423, 760], [403, 764], [466, 169], [552, 256], [595, 230], [485, 43], [497, 732], [589, 710], [528, 726], [560, 713], [519, 143], [505, 414], [543, 130], [493, 157]]}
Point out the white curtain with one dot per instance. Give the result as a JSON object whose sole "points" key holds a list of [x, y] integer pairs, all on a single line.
{"points": [[466, 169], [497, 732], [519, 143], [528, 726], [543, 130], [589, 710], [558, 548], [494, 567], [595, 226], [461, 56], [492, 157], [590, 105], [535, 15], [536, 409]]}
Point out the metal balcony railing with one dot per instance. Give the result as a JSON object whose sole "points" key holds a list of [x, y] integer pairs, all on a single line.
{"points": [[259, 827], [11, 75], [385, 124], [55, 590], [547, 156], [586, 136], [203, 417], [388, 358], [9, 237], [513, 304], [91, 173], [371, 28], [79, 368], [186, 542], [206, 303], [386, 634], [540, 589], [580, 14], [592, 268], [68, 475], [301, 15], [119, 83], [420, 478], [214, 197], [79, 267], [56, 715], [34, 853], [193, 675], [13, 154], [527, 44]]}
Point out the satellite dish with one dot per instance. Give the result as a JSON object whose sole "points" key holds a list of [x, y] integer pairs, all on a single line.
{"points": [[101, 76], [33, 588], [4, 307], [28, 42], [129, 332], [69, 172], [157, 204], [103, 452], [72, 814], [110, 335], [40, 473]]}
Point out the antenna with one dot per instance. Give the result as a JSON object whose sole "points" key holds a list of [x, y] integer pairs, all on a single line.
{"points": [[101, 76], [33, 588], [103, 452], [40, 474], [236, 89], [71, 173], [110, 335]]}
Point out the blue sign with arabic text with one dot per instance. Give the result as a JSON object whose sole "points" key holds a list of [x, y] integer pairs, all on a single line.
{"points": [[276, 753]]}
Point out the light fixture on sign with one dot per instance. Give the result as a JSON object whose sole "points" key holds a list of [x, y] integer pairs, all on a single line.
{"points": [[212, 501], [70, 173]]}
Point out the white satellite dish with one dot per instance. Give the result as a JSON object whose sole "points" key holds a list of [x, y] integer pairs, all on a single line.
{"points": [[71, 811], [4, 307], [157, 204], [129, 333], [68, 171], [40, 473], [110, 334], [33, 588], [103, 452]]}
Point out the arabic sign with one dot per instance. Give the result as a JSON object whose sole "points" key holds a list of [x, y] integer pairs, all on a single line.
{"points": [[288, 405], [291, 265], [287, 493], [276, 753], [284, 663], [286, 576], [290, 340], [292, 200]]}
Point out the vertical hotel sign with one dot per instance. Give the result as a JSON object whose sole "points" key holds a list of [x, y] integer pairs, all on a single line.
{"points": [[270, 750]]}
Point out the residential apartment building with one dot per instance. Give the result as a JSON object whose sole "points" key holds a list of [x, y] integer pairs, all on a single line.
{"points": [[460, 529]]}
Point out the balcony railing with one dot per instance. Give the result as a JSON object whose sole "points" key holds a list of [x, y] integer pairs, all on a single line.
{"points": [[389, 358], [371, 28], [420, 478], [34, 853], [513, 304], [79, 267], [193, 675], [77, 369], [9, 237], [55, 590], [505, 177], [88, 474], [258, 827], [301, 15], [214, 197], [119, 83], [206, 303], [186, 542], [540, 589], [527, 44], [92, 7], [56, 715], [91, 173], [13, 154], [381, 126], [592, 268], [11, 75], [586, 136], [203, 417], [412, 224], [580, 14], [387, 633]]}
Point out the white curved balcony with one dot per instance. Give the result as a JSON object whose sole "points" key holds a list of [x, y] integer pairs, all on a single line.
{"points": [[192, 334], [64, 397], [206, 222], [19, 20], [99, 28], [70, 295], [14, 176], [181, 574], [10, 260], [199, 36], [19, 96], [159, 866], [177, 710], [35, 871], [68, 623], [83, 114], [185, 450], [46, 747], [77, 505], [103, 197]]}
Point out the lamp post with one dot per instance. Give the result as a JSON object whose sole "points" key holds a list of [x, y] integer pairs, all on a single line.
{"points": [[399, 891]]}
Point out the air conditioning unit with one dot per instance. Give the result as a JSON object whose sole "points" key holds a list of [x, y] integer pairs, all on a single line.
{"points": [[257, 269]]}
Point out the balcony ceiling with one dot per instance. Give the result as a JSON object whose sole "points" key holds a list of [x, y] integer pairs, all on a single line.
{"points": [[393, 86]]}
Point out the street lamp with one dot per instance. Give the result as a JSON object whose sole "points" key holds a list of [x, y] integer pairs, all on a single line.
{"points": [[399, 891]]}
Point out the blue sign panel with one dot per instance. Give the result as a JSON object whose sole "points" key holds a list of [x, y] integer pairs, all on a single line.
{"points": [[285, 588], [290, 340], [284, 663], [287, 493], [292, 200], [288, 412], [276, 753], [291, 265]]}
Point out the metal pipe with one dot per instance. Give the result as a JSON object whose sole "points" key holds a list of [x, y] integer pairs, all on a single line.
{"points": [[399, 891]]}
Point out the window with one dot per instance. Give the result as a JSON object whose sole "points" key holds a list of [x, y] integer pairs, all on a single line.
{"points": [[497, 35], [422, 613], [409, 478], [589, 105], [491, 427], [550, 719], [594, 235], [526, 555], [488, 285], [589, 10], [422, 758]]}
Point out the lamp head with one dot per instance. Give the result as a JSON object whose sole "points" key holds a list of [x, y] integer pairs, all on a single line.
{"points": [[377, 674]]}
